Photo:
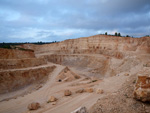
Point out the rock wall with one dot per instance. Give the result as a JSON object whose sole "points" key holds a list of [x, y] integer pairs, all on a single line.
{"points": [[99, 65], [13, 80], [15, 54], [96, 65], [21, 63], [98, 44]]}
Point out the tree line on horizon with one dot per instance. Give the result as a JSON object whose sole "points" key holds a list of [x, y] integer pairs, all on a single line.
{"points": [[119, 34], [116, 34], [8, 45]]}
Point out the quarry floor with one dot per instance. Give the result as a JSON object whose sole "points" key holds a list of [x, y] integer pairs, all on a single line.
{"points": [[16, 102]]}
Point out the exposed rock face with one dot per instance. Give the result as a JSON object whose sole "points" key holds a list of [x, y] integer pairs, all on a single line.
{"points": [[34, 106], [15, 54], [80, 110], [18, 69], [52, 99], [21, 63], [67, 93], [102, 55], [15, 79], [98, 44], [99, 63], [142, 88]]}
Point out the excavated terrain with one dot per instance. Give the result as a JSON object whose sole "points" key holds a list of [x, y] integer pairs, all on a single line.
{"points": [[107, 64]]}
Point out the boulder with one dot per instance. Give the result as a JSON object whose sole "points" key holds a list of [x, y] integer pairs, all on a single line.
{"points": [[67, 93], [80, 110], [142, 88], [99, 91], [80, 90], [126, 74], [89, 90], [53, 103], [34, 106], [52, 99]]}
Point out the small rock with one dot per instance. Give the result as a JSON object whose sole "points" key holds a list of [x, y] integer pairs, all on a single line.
{"points": [[53, 103], [99, 91], [34, 106], [90, 90], [80, 90], [52, 99], [126, 74], [40, 86], [67, 93], [80, 110], [59, 80]]}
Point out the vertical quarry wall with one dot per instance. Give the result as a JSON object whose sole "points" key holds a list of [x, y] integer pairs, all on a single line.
{"points": [[15, 54], [98, 44], [16, 79]]}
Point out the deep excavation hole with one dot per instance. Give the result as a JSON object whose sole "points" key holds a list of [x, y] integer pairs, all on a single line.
{"points": [[95, 65]]}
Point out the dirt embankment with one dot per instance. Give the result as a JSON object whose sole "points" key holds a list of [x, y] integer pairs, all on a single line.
{"points": [[15, 54], [21, 63], [16, 79]]}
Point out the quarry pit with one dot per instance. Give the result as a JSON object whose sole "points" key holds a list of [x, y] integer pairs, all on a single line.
{"points": [[109, 64]]}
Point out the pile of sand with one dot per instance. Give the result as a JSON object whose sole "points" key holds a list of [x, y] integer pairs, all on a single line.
{"points": [[67, 75]]}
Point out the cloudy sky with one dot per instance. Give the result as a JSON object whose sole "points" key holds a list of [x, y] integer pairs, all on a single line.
{"points": [[56, 20]]}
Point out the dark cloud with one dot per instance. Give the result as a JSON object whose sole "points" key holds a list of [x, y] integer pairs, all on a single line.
{"points": [[48, 20]]}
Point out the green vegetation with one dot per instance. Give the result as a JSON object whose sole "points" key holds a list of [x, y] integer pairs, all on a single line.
{"points": [[23, 49], [94, 80], [144, 65], [134, 81], [119, 34], [6, 46]]}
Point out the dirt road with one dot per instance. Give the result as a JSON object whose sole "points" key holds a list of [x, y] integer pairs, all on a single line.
{"points": [[55, 88]]}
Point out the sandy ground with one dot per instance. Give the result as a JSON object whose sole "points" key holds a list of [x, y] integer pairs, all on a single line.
{"points": [[55, 88]]}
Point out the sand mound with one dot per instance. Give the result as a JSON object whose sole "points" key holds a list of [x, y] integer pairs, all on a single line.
{"points": [[67, 75]]}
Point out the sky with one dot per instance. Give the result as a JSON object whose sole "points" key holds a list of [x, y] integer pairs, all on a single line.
{"points": [[57, 20]]}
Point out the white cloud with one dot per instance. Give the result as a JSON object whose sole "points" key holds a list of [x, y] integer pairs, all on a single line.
{"points": [[48, 20]]}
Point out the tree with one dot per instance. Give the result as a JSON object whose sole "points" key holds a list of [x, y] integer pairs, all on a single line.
{"points": [[115, 33], [127, 36], [105, 33], [119, 34]]}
